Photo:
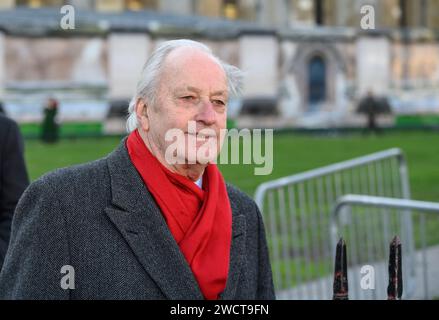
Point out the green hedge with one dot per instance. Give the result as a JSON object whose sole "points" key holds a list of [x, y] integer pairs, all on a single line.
{"points": [[69, 129], [417, 120]]}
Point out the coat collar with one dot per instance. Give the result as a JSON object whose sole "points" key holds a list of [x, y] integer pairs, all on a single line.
{"points": [[137, 217]]}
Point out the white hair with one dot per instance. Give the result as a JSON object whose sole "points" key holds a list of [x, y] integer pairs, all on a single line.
{"points": [[149, 78]]}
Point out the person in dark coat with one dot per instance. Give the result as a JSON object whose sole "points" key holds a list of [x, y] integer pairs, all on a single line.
{"points": [[49, 127], [13, 177], [369, 106], [135, 225]]}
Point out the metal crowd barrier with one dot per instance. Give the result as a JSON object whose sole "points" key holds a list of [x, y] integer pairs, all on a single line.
{"points": [[297, 214], [380, 226]]}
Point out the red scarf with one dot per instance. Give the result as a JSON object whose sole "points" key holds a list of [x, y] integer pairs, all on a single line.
{"points": [[199, 219]]}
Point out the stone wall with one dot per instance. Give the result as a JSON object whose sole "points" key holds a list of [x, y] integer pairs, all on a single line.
{"points": [[106, 69]]}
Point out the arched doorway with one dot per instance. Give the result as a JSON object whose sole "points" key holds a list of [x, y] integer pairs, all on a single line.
{"points": [[316, 82]]}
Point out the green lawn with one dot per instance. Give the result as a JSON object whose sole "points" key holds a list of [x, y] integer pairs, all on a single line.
{"points": [[293, 153], [71, 129], [417, 120]]}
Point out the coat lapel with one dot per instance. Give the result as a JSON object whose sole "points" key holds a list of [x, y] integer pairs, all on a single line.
{"points": [[137, 217], [237, 252]]}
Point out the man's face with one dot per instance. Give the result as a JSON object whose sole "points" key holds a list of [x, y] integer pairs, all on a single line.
{"points": [[192, 88]]}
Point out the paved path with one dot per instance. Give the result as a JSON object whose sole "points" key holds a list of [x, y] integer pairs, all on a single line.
{"points": [[432, 255], [322, 288]]}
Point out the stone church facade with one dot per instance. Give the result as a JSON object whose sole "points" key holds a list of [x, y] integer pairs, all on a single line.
{"points": [[308, 67]]}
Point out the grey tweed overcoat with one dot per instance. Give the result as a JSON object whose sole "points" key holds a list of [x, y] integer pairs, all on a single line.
{"points": [[94, 231]]}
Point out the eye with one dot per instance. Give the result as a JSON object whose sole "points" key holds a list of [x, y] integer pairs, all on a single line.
{"points": [[188, 98], [219, 102]]}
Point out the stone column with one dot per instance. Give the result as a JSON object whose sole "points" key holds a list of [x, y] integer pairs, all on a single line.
{"points": [[7, 4], [345, 9], [81, 4], [210, 8], [373, 64], [273, 13], [258, 56], [127, 53], [110, 5], [183, 7]]}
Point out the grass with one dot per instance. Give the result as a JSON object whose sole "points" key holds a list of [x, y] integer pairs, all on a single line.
{"points": [[42, 158], [66, 130], [417, 120], [298, 153], [292, 154]]}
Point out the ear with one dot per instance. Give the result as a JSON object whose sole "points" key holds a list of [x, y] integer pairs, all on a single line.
{"points": [[142, 115]]}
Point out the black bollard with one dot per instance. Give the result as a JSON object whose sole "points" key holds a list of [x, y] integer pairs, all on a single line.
{"points": [[340, 289], [394, 289]]}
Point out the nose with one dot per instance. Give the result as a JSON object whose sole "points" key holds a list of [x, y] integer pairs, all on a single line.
{"points": [[207, 113]]}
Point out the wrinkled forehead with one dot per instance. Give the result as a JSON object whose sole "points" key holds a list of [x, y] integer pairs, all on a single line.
{"points": [[193, 67]]}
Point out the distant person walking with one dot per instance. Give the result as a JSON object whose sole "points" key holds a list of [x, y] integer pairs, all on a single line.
{"points": [[49, 128], [13, 177]]}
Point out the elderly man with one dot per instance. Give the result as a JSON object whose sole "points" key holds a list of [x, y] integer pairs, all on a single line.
{"points": [[136, 226]]}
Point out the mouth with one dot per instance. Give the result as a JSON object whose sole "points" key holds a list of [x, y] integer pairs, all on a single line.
{"points": [[201, 137]]}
